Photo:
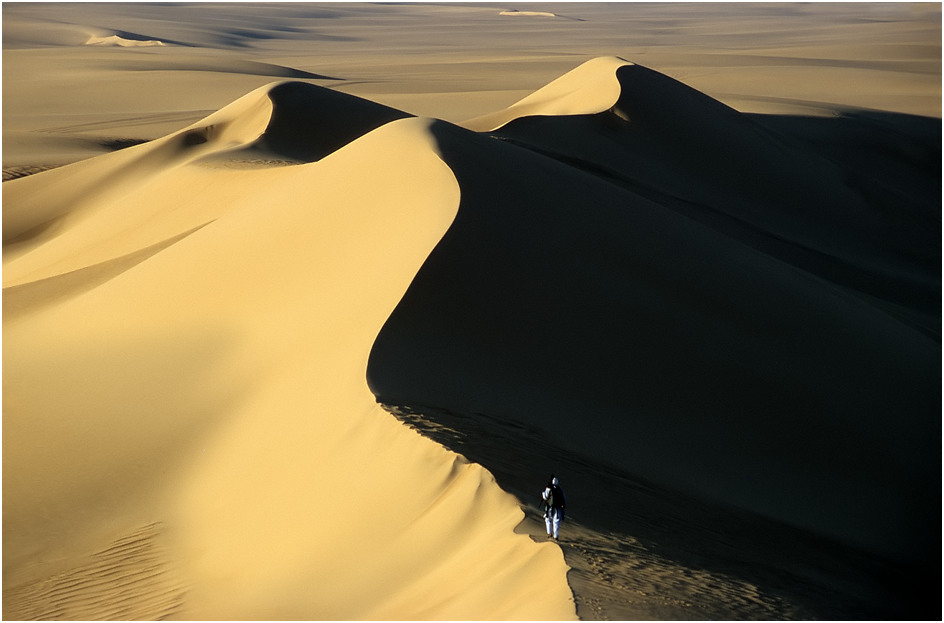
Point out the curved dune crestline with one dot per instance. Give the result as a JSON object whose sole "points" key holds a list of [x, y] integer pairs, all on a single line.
{"points": [[185, 409], [836, 217], [588, 89], [36, 211], [674, 288], [288, 121]]}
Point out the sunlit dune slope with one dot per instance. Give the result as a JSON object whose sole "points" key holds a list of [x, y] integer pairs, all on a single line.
{"points": [[290, 121], [663, 283], [185, 346]]}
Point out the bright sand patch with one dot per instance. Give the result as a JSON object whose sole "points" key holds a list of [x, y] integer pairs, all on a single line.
{"points": [[216, 386]]}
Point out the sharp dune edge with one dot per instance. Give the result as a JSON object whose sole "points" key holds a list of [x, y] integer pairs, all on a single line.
{"points": [[195, 344]]}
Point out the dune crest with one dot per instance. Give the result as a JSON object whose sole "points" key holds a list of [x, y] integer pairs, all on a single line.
{"points": [[778, 194], [38, 207], [309, 122], [290, 121], [590, 88]]}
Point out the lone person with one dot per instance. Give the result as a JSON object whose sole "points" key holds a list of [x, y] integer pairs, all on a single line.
{"points": [[554, 504]]}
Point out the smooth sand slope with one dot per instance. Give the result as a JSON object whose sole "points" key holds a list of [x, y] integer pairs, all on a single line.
{"points": [[186, 357]]}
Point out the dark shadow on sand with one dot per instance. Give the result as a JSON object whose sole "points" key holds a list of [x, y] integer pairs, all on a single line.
{"points": [[309, 122], [597, 313]]}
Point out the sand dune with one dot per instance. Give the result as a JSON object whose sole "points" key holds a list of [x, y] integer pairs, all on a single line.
{"points": [[726, 297], [672, 144], [119, 41], [290, 121], [517, 13], [590, 88], [262, 453], [723, 328]]}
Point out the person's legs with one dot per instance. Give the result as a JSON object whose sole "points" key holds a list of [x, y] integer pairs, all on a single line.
{"points": [[547, 522], [556, 514]]}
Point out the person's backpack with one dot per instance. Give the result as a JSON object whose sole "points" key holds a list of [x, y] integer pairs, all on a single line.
{"points": [[550, 498]]}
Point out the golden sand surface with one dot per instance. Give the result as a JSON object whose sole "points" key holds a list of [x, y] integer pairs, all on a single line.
{"points": [[301, 301]]}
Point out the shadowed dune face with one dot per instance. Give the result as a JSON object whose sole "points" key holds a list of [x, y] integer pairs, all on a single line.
{"points": [[838, 208], [681, 292], [309, 122]]}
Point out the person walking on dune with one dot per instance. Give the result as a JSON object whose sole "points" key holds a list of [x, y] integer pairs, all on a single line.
{"points": [[554, 504]]}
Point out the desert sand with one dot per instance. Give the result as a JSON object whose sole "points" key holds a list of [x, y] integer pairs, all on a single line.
{"points": [[302, 304]]}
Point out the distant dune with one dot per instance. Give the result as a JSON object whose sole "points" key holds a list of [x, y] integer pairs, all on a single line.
{"points": [[517, 13], [119, 41], [723, 327]]}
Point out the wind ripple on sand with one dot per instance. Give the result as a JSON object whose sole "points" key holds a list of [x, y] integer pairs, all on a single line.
{"points": [[128, 580]]}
